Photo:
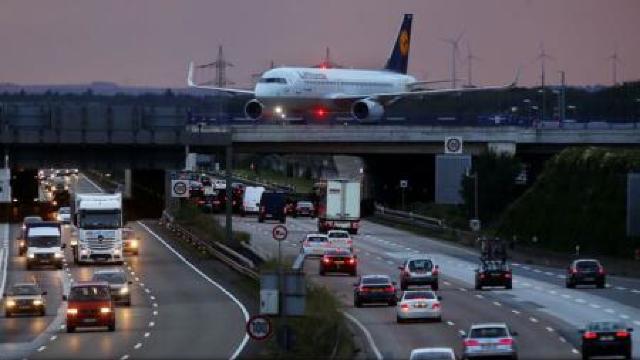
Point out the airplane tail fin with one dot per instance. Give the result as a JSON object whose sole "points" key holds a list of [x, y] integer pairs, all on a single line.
{"points": [[399, 59]]}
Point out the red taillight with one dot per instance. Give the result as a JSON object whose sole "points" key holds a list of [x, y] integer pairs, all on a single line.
{"points": [[505, 341], [350, 242], [471, 342], [390, 288], [481, 276], [590, 335], [326, 260], [363, 289], [622, 334], [435, 306], [352, 261], [354, 225], [435, 271], [507, 275], [601, 270], [573, 271], [320, 112], [404, 307]]}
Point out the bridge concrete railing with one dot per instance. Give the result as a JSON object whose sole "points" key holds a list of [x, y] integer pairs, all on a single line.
{"points": [[410, 218]]}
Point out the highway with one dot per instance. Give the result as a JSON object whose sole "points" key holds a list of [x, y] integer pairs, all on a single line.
{"points": [[546, 315], [171, 301]]}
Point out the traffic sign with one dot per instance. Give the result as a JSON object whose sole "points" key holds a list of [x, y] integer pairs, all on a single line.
{"points": [[453, 145], [179, 188], [404, 183], [259, 327], [279, 232]]}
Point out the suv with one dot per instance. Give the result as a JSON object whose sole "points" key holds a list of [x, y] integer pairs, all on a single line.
{"points": [[418, 271], [374, 289], [585, 271], [25, 298], [489, 341], [272, 206], [89, 304], [493, 273], [118, 284]]}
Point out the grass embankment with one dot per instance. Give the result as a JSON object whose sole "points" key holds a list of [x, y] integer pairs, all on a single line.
{"points": [[300, 185], [321, 333], [455, 216], [578, 199]]}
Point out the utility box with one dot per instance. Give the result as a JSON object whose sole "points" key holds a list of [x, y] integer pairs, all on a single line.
{"points": [[450, 168], [268, 302]]}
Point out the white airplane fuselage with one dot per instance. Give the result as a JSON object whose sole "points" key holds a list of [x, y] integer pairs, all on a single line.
{"points": [[299, 89]]}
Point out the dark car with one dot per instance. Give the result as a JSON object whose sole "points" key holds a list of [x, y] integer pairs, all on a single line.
{"points": [[585, 271], [418, 270], [272, 206], [304, 208], [606, 338], [374, 289], [339, 261], [25, 298], [493, 273]]}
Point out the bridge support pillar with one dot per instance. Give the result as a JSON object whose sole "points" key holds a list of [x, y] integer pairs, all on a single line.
{"points": [[500, 148], [126, 193]]}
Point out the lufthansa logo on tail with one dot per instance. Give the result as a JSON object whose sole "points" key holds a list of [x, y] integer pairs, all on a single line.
{"points": [[404, 43]]}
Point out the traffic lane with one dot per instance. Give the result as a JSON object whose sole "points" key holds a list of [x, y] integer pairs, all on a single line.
{"points": [[87, 343], [460, 309], [20, 330], [85, 185], [194, 317], [394, 240]]}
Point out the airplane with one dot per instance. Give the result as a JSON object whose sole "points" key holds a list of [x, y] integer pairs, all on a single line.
{"points": [[292, 91]]}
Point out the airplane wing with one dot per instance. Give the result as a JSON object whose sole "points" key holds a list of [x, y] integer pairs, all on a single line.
{"points": [[193, 84]]}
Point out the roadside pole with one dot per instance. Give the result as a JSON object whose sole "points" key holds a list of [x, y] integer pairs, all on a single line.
{"points": [[228, 180]]}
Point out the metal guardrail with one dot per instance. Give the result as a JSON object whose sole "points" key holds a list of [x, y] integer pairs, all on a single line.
{"points": [[410, 218], [223, 253]]}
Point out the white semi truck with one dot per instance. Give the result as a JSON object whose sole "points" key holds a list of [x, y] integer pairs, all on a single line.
{"points": [[339, 205], [99, 223]]}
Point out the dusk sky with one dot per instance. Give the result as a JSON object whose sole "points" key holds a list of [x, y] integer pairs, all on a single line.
{"points": [[149, 42]]}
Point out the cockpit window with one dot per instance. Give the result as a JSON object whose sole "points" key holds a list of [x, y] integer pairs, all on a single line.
{"points": [[273, 80]]}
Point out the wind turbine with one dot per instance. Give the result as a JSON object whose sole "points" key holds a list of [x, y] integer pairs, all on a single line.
{"points": [[470, 59], [542, 57], [454, 54], [615, 60]]}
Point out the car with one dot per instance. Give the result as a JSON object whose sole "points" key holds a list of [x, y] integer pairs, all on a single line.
{"points": [[25, 298], [272, 206], [64, 215], [89, 304], [419, 304], [606, 338], [585, 271], [340, 261], [130, 242], [418, 270], [493, 273], [315, 244], [304, 208], [118, 284], [432, 354], [22, 243], [374, 289], [489, 340], [219, 184], [340, 239]]}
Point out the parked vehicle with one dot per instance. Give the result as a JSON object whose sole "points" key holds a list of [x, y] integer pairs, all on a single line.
{"points": [[418, 270], [338, 261], [25, 298], [89, 304], [585, 271], [493, 273], [339, 206], [272, 206], [374, 289], [606, 338], [419, 304], [489, 341]]}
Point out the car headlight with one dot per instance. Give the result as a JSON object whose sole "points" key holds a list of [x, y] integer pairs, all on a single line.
{"points": [[72, 311], [74, 242], [31, 256], [37, 302], [58, 255], [134, 243], [117, 251], [84, 252], [11, 303], [22, 243], [105, 310], [124, 290]]}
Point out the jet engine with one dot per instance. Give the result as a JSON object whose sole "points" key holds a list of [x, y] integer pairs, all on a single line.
{"points": [[367, 110], [253, 109]]}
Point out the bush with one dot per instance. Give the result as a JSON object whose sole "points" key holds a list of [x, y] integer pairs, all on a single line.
{"points": [[207, 227]]}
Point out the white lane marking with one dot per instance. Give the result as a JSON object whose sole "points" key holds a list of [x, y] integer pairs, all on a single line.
{"points": [[155, 304], [155, 313], [389, 262], [560, 276], [147, 290], [562, 339], [479, 296], [566, 296], [515, 312], [526, 268], [137, 279], [450, 323], [620, 288], [463, 289], [533, 320], [636, 322], [575, 351], [94, 184], [245, 340], [549, 329], [497, 303], [623, 316], [595, 306], [378, 258], [581, 301], [461, 332], [147, 334], [124, 357], [366, 332], [610, 311], [133, 273], [142, 284], [62, 326], [41, 348], [52, 338], [152, 297], [152, 324], [446, 283], [635, 291], [553, 292], [138, 346], [548, 273], [537, 270]]}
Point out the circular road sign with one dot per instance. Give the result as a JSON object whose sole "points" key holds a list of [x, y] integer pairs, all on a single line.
{"points": [[180, 188], [453, 145], [259, 327], [279, 232]]}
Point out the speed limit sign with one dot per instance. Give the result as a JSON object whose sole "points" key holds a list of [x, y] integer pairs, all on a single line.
{"points": [[259, 327], [279, 232]]}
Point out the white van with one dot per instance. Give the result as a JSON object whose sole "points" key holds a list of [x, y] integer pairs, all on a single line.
{"points": [[251, 198]]}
